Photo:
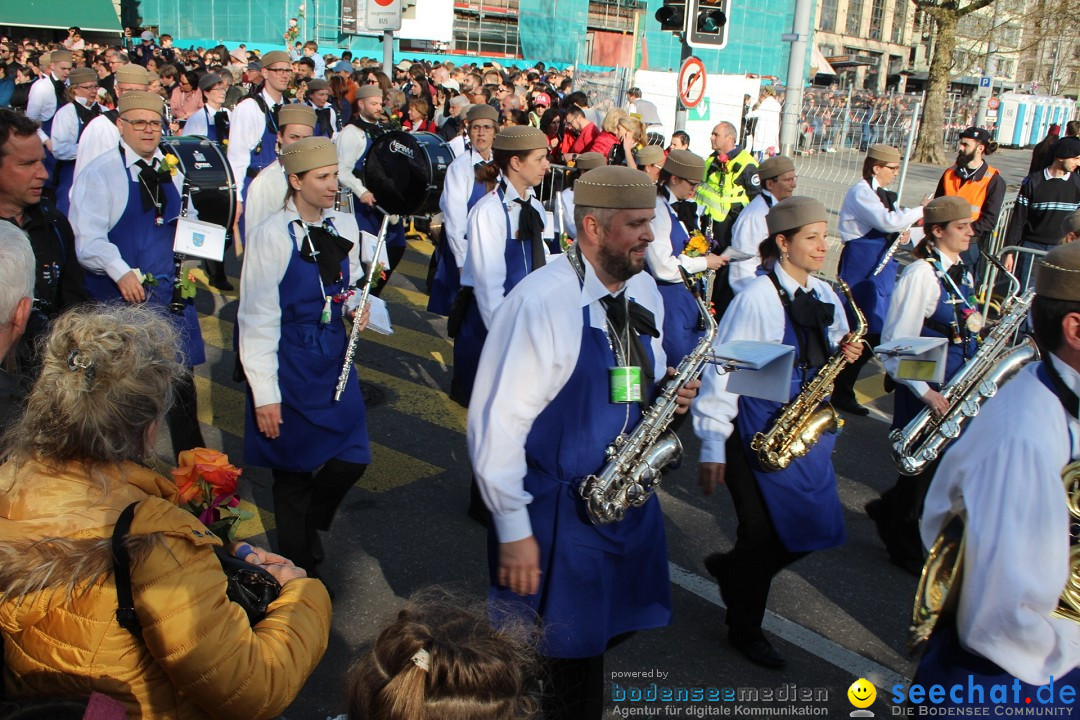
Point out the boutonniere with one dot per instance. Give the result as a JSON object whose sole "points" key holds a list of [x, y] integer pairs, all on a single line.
{"points": [[565, 241], [168, 166]]}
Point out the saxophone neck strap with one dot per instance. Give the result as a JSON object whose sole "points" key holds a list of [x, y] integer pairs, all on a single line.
{"points": [[1069, 400]]}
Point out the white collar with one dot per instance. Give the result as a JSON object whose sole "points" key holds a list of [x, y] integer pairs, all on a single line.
{"points": [[131, 157], [1048, 176], [476, 156], [874, 184], [789, 284], [270, 102], [766, 192], [511, 194], [592, 290]]}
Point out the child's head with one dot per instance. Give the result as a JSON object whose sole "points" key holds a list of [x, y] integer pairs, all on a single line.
{"points": [[441, 660]]}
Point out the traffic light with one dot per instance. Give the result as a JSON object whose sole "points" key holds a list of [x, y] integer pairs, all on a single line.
{"points": [[672, 15], [708, 23]]}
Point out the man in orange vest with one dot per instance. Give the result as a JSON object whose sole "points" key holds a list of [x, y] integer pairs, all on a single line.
{"points": [[982, 186]]}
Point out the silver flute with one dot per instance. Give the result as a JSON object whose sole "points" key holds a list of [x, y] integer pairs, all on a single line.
{"points": [[354, 336], [891, 251]]}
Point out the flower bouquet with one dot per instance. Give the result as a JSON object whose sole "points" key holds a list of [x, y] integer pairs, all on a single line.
{"points": [[206, 482]]}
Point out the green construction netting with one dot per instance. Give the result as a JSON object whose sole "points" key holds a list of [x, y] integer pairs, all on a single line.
{"points": [[553, 30], [89, 15]]}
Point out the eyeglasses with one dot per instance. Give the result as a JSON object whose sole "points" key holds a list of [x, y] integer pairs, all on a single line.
{"points": [[280, 71], [140, 125], [894, 168], [485, 127]]}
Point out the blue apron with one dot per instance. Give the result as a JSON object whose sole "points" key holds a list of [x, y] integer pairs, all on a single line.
{"points": [[211, 128], [682, 319], [447, 280], [264, 153], [469, 343], [310, 354], [368, 218], [149, 247], [597, 582], [907, 406], [870, 292], [65, 170], [802, 499]]}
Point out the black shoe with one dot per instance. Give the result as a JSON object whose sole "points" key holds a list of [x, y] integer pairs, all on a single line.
{"points": [[221, 283], [849, 405], [910, 564], [714, 565], [759, 651]]}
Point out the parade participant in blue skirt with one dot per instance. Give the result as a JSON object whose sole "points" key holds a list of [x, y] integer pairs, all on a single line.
{"points": [[542, 415], [68, 126], [124, 208], [666, 258], [100, 135], [933, 298], [869, 220], [783, 515], [1014, 624], [294, 291], [212, 119], [47, 95]]}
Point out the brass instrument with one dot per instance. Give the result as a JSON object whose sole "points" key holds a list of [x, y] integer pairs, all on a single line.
{"points": [[1069, 603], [806, 418]]}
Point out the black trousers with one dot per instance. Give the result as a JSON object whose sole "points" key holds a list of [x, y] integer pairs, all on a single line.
{"points": [[901, 508], [748, 569], [305, 502], [183, 418], [845, 381]]}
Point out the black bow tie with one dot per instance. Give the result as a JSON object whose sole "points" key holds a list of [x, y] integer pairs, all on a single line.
{"points": [[322, 115], [888, 198], [150, 181], [329, 250], [620, 311], [815, 317], [956, 272], [531, 229], [221, 124]]}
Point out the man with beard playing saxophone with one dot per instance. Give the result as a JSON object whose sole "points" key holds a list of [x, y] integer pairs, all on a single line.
{"points": [[1012, 624], [546, 404], [786, 514]]}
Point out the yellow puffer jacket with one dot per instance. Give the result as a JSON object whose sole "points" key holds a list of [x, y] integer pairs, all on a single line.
{"points": [[198, 657]]}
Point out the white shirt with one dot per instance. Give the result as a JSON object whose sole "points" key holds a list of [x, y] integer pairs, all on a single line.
{"points": [[246, 127], [454, 202], [862, 212], [99, 196], [41, 103], [99, 137], [65, 132], [266, 194], [566, 202], [662, 264], [269, 250], [200, 123], [350, 143], [767, 131], [746, 235], [457, 145], [485, 261], [915, 298], [755, 314], [320, 64], [1005, 471], [531, 350]]}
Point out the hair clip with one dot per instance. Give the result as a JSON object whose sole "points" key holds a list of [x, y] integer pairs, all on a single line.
{"points": [[76, 363], [422, 659]]}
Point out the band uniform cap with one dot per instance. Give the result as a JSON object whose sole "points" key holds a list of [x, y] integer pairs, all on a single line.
{"points": [[774, 167], [133, 74], [686, 165], [296, 114], [796, 211], [316, 84], [590, 161], [615, 186], [945, 209], [139, 100], [1057, 276], [883, 153], [977, 134], [82, 75], [520, 138], [209, 80], [275, 56], [1067, 147], [147, 35], [483, 111], [369, 91], [649, 155], [60, 56], [308, 154], [1071, 224]]}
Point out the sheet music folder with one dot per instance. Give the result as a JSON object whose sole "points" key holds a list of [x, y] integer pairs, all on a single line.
{"points": [[921, 358], [760, 369]]}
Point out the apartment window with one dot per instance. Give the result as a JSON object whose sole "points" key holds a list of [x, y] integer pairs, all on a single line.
{"points": [[828, 16], [877, 19], [854, 17], [898, 21]]}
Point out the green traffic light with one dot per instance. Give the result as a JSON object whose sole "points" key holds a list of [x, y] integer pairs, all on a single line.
{"points": [[710, 21]]}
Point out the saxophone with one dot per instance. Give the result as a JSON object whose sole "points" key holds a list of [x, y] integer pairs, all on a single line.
{"points": [[923, 439], [802, 421], [635, 461]]}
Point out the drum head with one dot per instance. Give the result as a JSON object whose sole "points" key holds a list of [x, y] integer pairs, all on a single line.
{"points": [[208, 177], [405, 171]]}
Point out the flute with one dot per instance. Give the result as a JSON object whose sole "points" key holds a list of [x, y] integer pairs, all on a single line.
{"points": [[891, 251]]}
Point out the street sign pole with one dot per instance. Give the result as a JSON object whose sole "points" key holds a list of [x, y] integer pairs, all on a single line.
{"points": [[680, 108], [792, 112]]}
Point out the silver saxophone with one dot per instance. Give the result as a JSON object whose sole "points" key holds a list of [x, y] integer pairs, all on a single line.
{"points": [[354, 336], [635, 461], [996, 361]]}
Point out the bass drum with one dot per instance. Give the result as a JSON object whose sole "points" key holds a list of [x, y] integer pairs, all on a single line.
{"points": [[405, 172], [208, 177]]}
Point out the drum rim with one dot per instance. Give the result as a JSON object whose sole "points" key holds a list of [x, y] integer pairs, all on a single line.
{"points": [[430, 140]]}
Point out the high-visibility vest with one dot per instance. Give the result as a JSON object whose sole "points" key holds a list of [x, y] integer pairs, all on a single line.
{"points": [[974, 191], [719, 192]]}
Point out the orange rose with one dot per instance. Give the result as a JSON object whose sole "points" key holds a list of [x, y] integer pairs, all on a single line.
{"points": [[190, 491], [209, 466]]}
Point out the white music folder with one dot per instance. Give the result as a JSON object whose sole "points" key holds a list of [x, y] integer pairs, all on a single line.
{"points": [[921, 358], [758, 369], [367, 249], [196, 238]]}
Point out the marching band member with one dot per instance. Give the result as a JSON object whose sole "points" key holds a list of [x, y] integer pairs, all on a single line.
{"points": [[1005, 475], [317, 97], [294, 290], [212, 119], [47, 95], [563, 328], [789, 513], [124, 207], [460, 193], [778, 182], [678, 180], [100, 135], [650, 160], [933, 298], [506, 231], [584, 163], [68, 125], [869, 217], [266, 195]]}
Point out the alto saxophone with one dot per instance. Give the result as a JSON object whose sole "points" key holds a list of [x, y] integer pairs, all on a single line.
{"points": [[804, 420], [635, 461]]}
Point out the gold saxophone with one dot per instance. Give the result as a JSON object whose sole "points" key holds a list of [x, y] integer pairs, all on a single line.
{"points": [[805, 419]]}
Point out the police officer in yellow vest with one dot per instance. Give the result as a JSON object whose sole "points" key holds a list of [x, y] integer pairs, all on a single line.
{"points": [[730, 184]]}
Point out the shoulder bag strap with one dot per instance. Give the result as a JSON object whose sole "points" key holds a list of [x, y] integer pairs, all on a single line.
{"points": [[125, 611]]}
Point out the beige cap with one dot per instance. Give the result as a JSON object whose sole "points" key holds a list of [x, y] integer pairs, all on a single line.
{"points": [[793, 213], [275, 56], [132, 74], [315, 84], [883, 153], [482, 112], [686, 165], [139, 100], [152, 77], [649, 155], [82, 75], [308, 154], [589, 161], [296, 114], [60, 56], [1071, 224], [615, 186], [1057, 276], [775, 166], [520, 138], [369, 91], [945, 209]]}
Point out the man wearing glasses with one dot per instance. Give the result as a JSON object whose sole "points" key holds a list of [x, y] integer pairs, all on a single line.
{"points": [[124, 207], [100, 135]]}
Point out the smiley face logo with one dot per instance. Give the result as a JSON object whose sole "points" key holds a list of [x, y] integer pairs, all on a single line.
{"points": [[861, 694]]}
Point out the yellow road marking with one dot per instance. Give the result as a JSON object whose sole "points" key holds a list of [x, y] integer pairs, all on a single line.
{"points": [[415, 270]]}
